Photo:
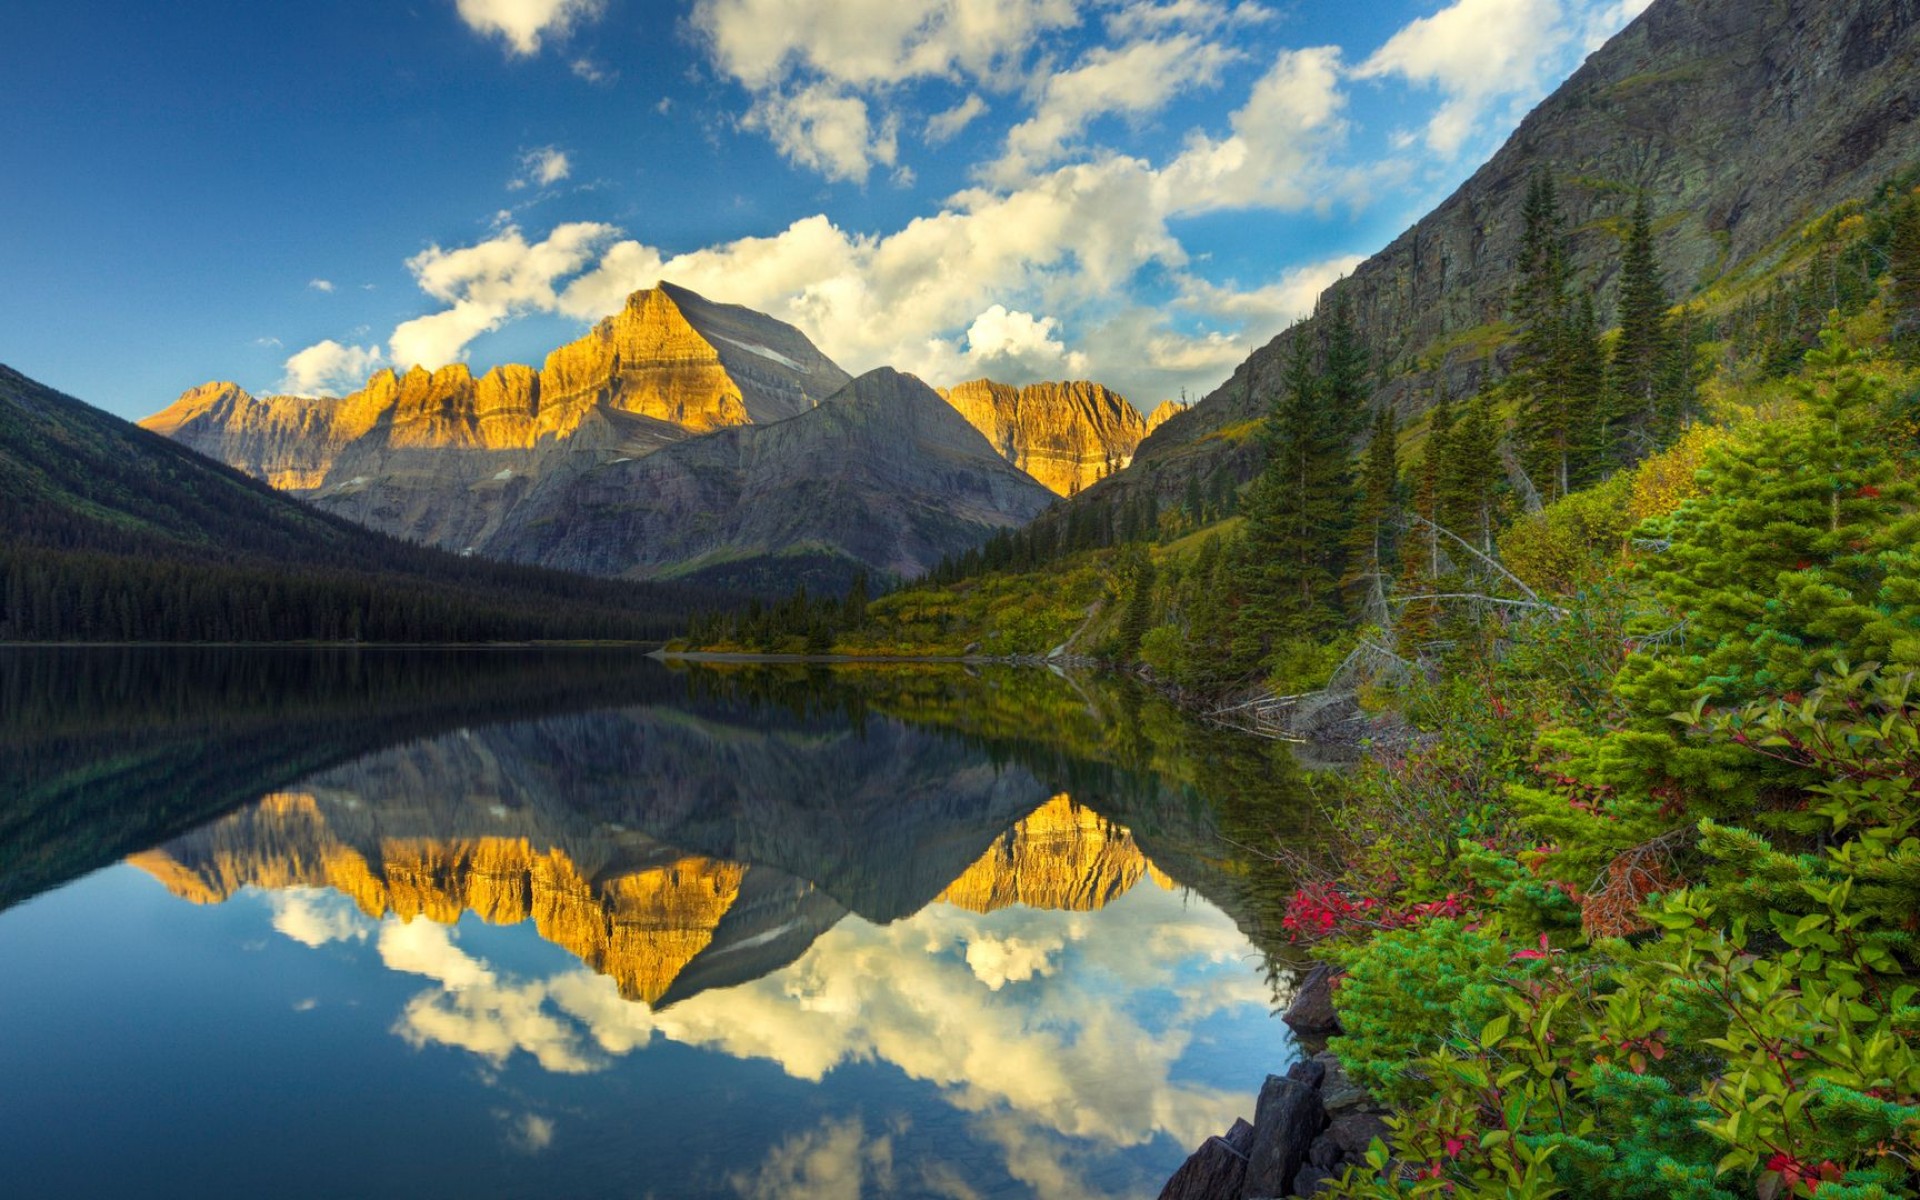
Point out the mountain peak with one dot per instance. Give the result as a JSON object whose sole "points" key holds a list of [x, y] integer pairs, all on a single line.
{"points": [[1067, 434]]}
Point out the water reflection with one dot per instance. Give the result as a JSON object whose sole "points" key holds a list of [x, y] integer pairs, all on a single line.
{"points": [[987, 923]]}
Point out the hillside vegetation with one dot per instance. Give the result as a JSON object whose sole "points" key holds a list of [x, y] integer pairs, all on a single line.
{"points": [[1624, 893], [110, 533]]}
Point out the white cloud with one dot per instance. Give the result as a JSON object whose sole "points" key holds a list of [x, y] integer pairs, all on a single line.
{"points": [[591, 71], [421, 947], [1610, 18], [1134, 79], [486, 284], [542, 167], [315, 916], [320, 285], [1274, 305], [1474, 52], [913, 995], [945, 126], [824, 129], [1017, 345], [762, 43], [836, 1161], [328, 368], [1141, 19], [524, 24], [528, 1133], [997, 961], [1277, 155]]}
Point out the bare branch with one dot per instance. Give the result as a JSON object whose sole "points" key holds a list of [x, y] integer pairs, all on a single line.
{"points": [[1542, 605], [1483, 557]]}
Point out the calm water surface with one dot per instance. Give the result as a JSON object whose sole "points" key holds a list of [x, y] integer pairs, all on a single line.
{"points": [[330, 923]]}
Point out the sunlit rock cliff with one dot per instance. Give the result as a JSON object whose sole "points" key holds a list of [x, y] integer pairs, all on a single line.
{"points": [[1062, 856], [1066, 435], [661, 923], [646, 448]]}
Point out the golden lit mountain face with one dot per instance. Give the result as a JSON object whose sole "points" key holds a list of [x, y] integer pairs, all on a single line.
{"points": [[641, 922], [1167, 411], [1063, 857], [1066, 435], [640, 928], [641, 378]]}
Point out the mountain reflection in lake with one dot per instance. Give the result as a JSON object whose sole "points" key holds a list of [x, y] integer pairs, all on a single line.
{"points": [[515, 921]]}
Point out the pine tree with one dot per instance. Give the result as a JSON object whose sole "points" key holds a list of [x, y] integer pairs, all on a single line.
{"points": [[1641, 358], [1803, 554], [1372, 544], [1288, 562], [1469, 474], [1539, 297], [1595, 431], [1903, 253], [1345, 383], [1138, 576]]}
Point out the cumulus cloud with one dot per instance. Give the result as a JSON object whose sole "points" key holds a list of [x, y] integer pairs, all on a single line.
{"points": [[1134, 79], [320, 285], [1473, 52], [527, 1133], [864, 43], [1068, 243], [328, 368], [524, 24], [487, 283], [945, 126], [1279, 151], [998, 961], [916, 994], [835, 1161], [315, 916], [542, 167], [591, 71], [824, 129], [1279, 303]]}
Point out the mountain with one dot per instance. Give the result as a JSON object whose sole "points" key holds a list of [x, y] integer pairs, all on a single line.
{"points": [[884, 476], [1741, 122], [501, 835], [441, 457], [110, 532], [1066, 435], [679, 437]]}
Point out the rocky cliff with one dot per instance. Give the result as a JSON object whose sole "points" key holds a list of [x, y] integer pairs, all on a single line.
{"points": [[1061, 856], [679, 437], [442, 457], [663, 924], [1066, 435], [1739, 121], [884, 475]]}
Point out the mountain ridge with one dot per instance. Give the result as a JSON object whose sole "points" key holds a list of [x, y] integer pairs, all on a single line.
{"points": [[1789, 109]]}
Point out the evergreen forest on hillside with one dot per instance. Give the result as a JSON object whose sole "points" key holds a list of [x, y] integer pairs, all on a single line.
{"points": [[110, 533], [1625, 885]]}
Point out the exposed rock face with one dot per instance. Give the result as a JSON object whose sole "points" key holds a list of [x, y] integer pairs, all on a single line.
{"points": [[680, 436], [1066, 435], [1061, 856], [488, 822], [1166, 411], [1739, 121], [441, 457], [883, 475]]}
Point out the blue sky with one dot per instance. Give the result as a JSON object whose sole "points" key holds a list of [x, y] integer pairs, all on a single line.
{"points": [[1137, 191]]}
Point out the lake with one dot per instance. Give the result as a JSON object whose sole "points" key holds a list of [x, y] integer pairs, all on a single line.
{"points": [[414, 923]]}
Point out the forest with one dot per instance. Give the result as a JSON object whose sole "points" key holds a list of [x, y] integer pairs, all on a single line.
{"points": [[1624, 889], [110, 533]]}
